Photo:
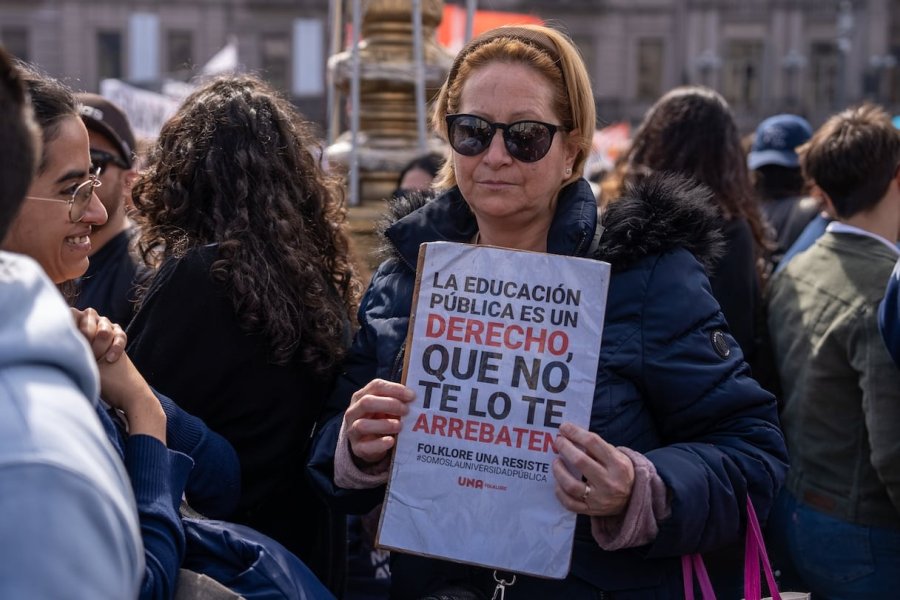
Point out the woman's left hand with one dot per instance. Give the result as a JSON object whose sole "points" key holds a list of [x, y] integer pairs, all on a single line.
{"points": [[608, 473]]}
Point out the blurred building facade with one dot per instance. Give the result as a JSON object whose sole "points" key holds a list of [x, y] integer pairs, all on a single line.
{"points": [[766, 56]]}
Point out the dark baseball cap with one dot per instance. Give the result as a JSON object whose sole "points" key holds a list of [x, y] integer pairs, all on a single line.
{"points": [[776, 141], [102, 116]]}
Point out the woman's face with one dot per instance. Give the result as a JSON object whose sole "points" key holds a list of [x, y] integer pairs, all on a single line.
{"points": [[416, 180], [500, 189], [42, 230]]}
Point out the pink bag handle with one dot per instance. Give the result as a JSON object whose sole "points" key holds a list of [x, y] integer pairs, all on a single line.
{"points": [[689, 564], [755, 553]]}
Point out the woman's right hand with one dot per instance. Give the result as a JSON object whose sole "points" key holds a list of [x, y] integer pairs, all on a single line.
{"points": [[106, 339], [372, 421]]}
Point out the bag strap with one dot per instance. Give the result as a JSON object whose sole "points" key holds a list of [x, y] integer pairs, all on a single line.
{"points": [[691, 564], [754, 554]]}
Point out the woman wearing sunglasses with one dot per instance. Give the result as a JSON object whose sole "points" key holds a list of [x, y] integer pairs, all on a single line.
{"points": [[679, 431], [166, 452]]}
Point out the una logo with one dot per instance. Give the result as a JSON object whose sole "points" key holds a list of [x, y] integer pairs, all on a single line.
{"points": [[469, 482]]}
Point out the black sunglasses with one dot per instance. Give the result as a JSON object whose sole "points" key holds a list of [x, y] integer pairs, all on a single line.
{"points": [[101, 158], [526, 141]]}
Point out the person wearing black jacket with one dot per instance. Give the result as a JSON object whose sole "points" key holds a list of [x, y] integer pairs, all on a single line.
{"points": [[248, 316]]}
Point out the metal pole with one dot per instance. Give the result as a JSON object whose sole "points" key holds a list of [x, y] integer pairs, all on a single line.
{"points": [[354, 104], [335, 18], [419, 70], [471, 6]]}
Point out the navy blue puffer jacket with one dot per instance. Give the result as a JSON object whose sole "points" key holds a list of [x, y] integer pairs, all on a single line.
{"points": [[667, 386]]}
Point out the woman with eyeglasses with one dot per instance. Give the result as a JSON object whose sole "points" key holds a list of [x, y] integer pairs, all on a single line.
{"points": [[54, 224], [166, 452], [679, 432]]}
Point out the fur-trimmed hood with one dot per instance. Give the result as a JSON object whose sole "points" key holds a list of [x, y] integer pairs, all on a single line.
{"points": [[658, 214]]}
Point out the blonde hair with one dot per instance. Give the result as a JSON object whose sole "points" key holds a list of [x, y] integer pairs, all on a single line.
{"points": [[547, 51]]}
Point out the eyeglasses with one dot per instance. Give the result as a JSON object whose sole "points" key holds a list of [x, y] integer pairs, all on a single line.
{"points": [[101, 158], [80, 198], [526, 141]]}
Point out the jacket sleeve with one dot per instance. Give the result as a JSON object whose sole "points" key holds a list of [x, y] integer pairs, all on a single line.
{"points": [[359, 368], [878, 377], [66, 536], [213, 488], [719, 428], [158, 477], [889, 315]]}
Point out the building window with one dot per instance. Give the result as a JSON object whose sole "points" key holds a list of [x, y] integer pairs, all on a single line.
{"points": [[742, 67], [649, 69], [15, 40], [109, 55], [585, 45], [893, 77], [276, 60], [823, 69], [179, 52]]}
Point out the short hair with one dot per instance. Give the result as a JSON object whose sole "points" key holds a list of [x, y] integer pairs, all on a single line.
{"points": [[51, 100], [19, 142], [546, 50], [853, 157]]}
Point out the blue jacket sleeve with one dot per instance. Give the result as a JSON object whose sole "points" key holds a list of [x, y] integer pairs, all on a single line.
{"points": [[720, 432], [213, 488], [889, 315], [158, 476], [65, 535]]}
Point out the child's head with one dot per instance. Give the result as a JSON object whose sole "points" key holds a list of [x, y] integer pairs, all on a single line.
{"points": [[853, 158]]}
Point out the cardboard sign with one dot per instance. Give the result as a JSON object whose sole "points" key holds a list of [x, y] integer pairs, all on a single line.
{"points": [[502, 349]]}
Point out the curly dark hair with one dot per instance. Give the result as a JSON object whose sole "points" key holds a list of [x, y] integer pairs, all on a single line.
{"points": [[691, 131], [238, 166]]}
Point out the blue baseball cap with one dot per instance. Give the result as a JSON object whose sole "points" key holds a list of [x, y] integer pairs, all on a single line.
{"points": [[776, 141]]}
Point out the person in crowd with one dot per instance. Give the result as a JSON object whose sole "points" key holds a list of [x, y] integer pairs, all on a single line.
{"points": [[418, 174], [368, 567], [889, 315], [691, 131], [110, 284], [248, 316], [837, 520], [166, 452], [778, 179], [686, 433], [69, 515]]}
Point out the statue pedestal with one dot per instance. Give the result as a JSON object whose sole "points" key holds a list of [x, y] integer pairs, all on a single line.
{"points": [[387, 138]]}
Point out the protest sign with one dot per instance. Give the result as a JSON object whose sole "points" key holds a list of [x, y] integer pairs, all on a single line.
{"points": [[502, 349]]}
